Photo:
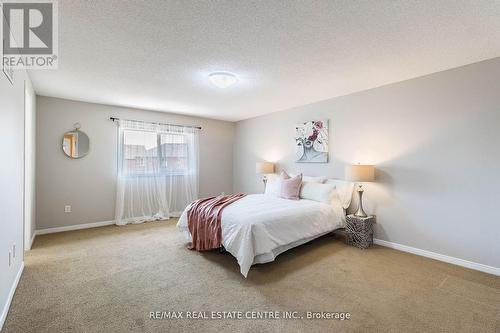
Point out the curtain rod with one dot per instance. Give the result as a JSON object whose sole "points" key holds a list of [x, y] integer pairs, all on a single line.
{"points": [[149, 122]]}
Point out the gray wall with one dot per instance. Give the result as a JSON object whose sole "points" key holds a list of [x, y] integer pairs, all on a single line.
{"points": [[11, 181], [434, 141], [88, 184]]}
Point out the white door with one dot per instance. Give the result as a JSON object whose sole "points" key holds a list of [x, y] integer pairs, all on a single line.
{"points": [[29, 164]]}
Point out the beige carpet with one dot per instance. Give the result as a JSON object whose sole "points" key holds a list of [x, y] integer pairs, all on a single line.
{"points": [[109, 279]]}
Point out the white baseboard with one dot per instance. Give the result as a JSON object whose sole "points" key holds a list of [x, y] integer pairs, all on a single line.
{"points": [[30, 245], [73, 227], [440, 257], [5, 309]]}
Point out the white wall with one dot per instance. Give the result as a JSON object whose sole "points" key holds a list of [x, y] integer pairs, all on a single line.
{"points": [[434, 141], [88, 184], [11, 183]]}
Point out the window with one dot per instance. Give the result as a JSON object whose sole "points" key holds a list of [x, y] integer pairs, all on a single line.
{"points": [[174, 152], [147, 153], [157, 170]]}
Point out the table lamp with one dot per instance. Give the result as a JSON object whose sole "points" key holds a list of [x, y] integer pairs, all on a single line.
{"points": [[264, 168], [360, 173]]}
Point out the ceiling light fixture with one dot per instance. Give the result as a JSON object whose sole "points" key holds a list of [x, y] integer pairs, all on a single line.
{"points": [[222, 79]]}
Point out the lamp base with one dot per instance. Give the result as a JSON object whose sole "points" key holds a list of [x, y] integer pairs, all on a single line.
{"points": [[360, 212]]}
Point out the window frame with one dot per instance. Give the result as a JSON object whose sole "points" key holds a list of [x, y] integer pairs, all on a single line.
{"points": [[163, 171]]}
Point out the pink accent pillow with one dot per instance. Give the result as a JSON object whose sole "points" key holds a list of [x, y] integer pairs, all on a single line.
{"points": [[290, 187]]}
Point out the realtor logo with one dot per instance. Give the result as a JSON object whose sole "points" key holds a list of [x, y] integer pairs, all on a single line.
{"points": [[29, 32]]}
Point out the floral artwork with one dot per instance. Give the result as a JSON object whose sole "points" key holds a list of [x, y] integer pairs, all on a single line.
{"points": [[312, 142]]}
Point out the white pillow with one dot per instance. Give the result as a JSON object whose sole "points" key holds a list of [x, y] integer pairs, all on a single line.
{"points": [[344, 190], [337, 182], [311, 179], [317, 192], [273, 187]]}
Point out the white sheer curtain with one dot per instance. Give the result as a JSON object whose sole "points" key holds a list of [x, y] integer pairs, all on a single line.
{"points": [[157, 171]]}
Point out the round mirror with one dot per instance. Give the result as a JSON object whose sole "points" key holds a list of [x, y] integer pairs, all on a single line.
{"points": [[76, 144]]}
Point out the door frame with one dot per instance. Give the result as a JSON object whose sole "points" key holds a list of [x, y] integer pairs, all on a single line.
{"points": [[29, 164]]}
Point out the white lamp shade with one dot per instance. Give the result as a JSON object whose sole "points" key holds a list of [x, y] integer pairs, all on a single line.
{"points": [[264, 167], [360, 173]]}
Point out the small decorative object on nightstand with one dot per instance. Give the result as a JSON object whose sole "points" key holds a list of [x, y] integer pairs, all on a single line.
{"points": [[359, 230]]}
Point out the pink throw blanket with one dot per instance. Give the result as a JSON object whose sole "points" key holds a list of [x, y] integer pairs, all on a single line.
{"points": [[204, 221]]}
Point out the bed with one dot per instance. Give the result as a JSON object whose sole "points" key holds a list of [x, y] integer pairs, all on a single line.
{"points": [[258, 227]]}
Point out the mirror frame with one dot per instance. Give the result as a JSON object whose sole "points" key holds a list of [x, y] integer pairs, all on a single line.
{"points": [[62, 144]]}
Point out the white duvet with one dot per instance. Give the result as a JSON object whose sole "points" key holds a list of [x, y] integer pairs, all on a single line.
{"points": [[258, 227]]}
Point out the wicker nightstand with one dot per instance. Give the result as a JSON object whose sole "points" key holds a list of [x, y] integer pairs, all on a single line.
{"points": [[359, 230]]}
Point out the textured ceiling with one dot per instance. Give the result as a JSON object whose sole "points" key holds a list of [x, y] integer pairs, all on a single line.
{"points": [[156, 54]]}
